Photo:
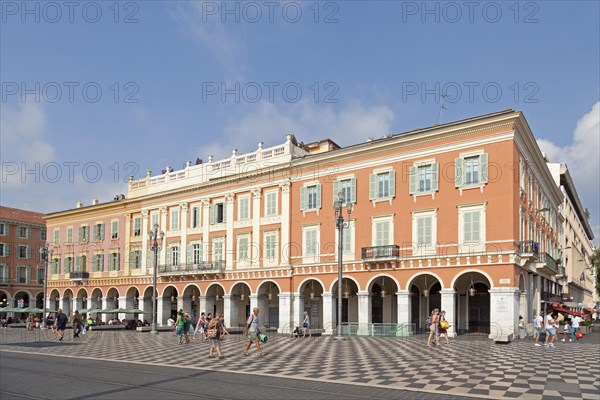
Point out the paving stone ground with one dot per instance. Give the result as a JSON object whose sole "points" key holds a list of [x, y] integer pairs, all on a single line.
{"points": [[471, 366]]}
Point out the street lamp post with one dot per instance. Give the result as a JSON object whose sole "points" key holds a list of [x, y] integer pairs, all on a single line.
{"points": [[46, 254], [340, 224], [155, 247]]}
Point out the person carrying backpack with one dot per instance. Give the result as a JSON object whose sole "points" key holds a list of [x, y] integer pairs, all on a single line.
{"points": [[216, 330]]}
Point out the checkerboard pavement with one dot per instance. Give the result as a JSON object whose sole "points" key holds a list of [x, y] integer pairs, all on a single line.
{"points": [[471, 366]]}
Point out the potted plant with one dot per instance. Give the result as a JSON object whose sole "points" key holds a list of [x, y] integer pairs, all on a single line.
{"points": [[586, 327]]}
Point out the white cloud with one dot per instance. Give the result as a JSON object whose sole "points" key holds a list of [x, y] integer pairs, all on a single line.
{"points": [[582, 156], [308, 121]]}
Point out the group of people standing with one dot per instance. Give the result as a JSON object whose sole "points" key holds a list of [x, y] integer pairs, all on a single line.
{"points": [[438, 326], [546, 329], [213, 329]]}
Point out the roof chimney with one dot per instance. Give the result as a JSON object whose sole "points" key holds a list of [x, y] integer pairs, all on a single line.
{"points": [[79, 204], [95, 202]]}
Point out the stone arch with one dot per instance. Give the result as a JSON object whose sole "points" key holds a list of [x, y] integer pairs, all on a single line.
{"points": [[470, 271], [351, 278], [413, 277], [301, 287], [374, 278]]}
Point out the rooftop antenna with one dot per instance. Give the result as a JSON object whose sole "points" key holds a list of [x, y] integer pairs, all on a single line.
{"points": [[442, 108]]}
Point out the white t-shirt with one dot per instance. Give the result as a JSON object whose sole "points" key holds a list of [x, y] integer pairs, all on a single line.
{"points": [[549, 322], [576, 321], [538, 321], [170, 322]]}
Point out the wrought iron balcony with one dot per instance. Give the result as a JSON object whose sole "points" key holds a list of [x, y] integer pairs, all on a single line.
{"points": [[547, 264], [371, 253], [528, 248], [550, 297], [204, 268], [78, 275]]}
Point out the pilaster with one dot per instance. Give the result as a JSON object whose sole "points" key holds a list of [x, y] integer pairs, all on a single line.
{"points": [[285, 311], [285, 223], [364, 313], [448, 302], [229, 249], [328, 322], [256, 195]]}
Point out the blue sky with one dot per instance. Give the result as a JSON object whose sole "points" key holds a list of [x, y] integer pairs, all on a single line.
{"points": [[158, 65]]}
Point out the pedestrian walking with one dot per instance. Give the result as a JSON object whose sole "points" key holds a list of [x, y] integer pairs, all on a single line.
{"points": [[201, 326], [576, 321], [252, 331], [550, 330], [521, 327], [50, 322], [432, 322], [538, 323], [567, 330], [179, 326], [444, 325], [306, 324], [217, 331], [187, 323], [61, 324], [76, 322]]}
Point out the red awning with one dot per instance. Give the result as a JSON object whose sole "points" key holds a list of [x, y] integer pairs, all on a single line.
{"points": [[565, 311]]}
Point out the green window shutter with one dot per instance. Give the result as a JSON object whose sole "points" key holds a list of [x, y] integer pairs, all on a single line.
{"points": [[149, 259], [318, 196], [302, 198], [79, 235], [435, 173], [458, 172], [427, 229], [189, 254], [101, 231], [336, 189], [131, 259], [420, 230], [77, 263], [353, 190], [467, 227], [212, 211], [224, 212], [168, 256], [475, 232], [483, 162], [413, 179], [372, 187], [392, 184]]}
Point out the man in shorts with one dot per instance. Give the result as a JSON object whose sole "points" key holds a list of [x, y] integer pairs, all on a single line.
{"points": [[537, 322], [61, 324], [252, 332], [550, 328]]}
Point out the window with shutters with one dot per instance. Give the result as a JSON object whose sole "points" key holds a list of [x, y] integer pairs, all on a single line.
{"points": [[244, 208], [41, 272], [3, 250], [471, 225], [70, 235], [114, 230], [346, 185], [23, 252], [195, 217], [24, 232], [382, 185], [522, 175], [382, 230], [42, 234], [424, 178], [98, 263], [83, 233], [55, 266], [173, 255], [56, 236], [99, 232], [113, 262], [522, 225], [218, 213], [135, 259], [310, 197], [137, 226], [3, 230], [242, 246], [347, 241], [310, 243], [23, 274], [82, 263], [155, 221], [471, 170], [68, 265], [217, 250], [271, 203], [3, 273], [174, 218], [270, 241], [197, 253], [424, 235]]}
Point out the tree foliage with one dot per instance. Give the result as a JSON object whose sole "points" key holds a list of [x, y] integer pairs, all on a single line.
{"points": [[595, 261]]}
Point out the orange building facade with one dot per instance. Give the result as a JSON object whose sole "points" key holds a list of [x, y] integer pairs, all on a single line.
{"points": [[461, 216], [22, 234]]}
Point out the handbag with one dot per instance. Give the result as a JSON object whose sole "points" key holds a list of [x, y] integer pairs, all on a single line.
{"points": [[444, 324], [579, 334]]}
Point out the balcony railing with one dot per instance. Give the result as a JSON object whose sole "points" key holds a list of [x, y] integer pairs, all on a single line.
{"points": [[200, 268], [549, 261], [370, 253], [529, 247], [78, 275]]}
